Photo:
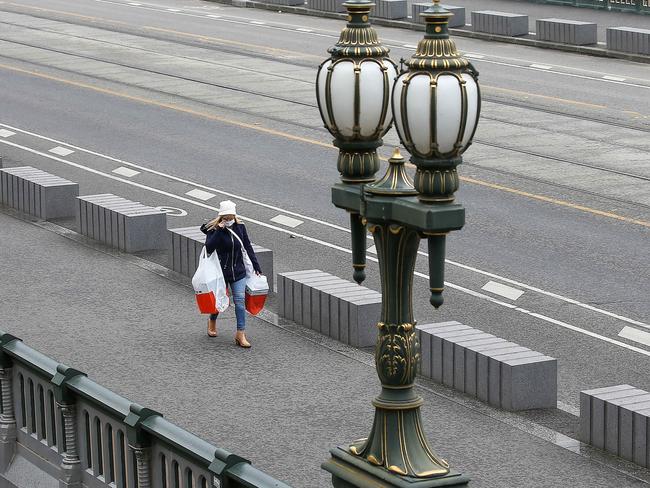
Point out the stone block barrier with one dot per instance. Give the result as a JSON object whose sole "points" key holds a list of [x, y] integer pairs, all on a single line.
{"points": [[501, 23], [567, 31], [501, 373], [184, 248], [121, 223], [326, 5], [390, 9], [335, 307], [38, 193], [629, 40], [615, 419], [458, 20]]}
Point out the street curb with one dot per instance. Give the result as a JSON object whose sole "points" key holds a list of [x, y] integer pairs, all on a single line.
{"points": [[523, 41]]}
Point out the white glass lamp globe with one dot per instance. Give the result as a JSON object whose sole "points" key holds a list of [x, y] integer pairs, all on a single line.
{"points": [[354, 97], [436, 113]]}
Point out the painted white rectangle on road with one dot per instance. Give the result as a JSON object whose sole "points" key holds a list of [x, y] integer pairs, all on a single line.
{"points": [[503, 290], [613, 78], [200, 194], [128, 172], [540, 66], [302, 29], [474, 56], [6, 133], [214, 16], [257, 22], [288, 221], [61, 151], [635, 335], [372, 249]]}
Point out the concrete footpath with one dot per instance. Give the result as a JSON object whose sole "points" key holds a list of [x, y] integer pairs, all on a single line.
{"points": [[133, 327]]}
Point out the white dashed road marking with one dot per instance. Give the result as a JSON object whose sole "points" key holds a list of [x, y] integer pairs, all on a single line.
{"points": [[474, 56], [128, 172], [200, 194], [288, 221], [372, 249], [257, 22], [61, 151], [540, 66], [503, 290], [635, 335], [613, 78], [6, 133], [302, 29]]}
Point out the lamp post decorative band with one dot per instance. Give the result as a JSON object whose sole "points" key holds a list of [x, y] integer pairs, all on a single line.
{"points": [[435, 105]]}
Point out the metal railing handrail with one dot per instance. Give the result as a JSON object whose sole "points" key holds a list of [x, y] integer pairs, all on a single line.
{"points": [[144, 427]]}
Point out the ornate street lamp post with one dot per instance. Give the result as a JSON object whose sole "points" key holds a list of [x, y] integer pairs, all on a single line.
{"points": [[436, 105]]}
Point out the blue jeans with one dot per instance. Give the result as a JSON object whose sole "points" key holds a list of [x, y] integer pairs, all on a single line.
{"points": [[238, 294]]}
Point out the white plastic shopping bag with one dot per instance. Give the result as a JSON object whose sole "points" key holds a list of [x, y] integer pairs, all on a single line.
{"points": [[209, 284], [257, 289]]}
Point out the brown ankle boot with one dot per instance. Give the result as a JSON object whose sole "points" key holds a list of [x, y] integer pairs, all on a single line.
{"points": [[212, 328], [240, 339]]}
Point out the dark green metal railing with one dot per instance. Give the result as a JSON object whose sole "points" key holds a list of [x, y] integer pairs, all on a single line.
{"points": [[85, 435]]}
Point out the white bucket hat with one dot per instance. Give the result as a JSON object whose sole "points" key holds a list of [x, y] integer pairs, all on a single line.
{"points": [[227, 208]]}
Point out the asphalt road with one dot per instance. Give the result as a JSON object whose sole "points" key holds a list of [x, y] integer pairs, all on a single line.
{"points": [[572, 237]]}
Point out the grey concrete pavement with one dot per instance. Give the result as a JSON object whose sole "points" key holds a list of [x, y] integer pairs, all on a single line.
{"points": [[282, 403]]}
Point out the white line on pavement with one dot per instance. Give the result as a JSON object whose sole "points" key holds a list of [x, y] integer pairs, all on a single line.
{"points": [[503, 290], [6, 133], [331, 246], [474, 56], [61, 151], [334, 226], [540, 66], [288, 221], [214, 16], [200, 194], [302, 29], [257, 22], [613, 78], [372, 249], [128, 172], [635, 335]]}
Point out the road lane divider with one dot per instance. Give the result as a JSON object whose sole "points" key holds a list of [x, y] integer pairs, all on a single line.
{"points": [[502, 290], [334, 226], [128, 172], [635, 335], [330, 246]]}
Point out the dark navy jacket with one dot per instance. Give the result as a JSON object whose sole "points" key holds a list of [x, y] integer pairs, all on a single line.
{"points": [[229, 250]]}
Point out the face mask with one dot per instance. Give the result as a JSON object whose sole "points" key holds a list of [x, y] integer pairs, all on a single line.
{"points": [[229, 223]]}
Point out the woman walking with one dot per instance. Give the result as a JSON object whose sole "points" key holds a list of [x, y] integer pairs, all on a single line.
{"points": [[228, 237]]}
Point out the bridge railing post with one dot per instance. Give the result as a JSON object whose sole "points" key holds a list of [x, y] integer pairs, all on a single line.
{"points": [[70, 476], [7, 417]]}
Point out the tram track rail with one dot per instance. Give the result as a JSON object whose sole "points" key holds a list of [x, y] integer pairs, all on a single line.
{"points": [[289, 100]]}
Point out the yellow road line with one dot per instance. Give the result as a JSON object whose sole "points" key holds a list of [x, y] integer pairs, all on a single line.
{"points": [[311, 141], [168, 106], [546, 97], [555, 201]]}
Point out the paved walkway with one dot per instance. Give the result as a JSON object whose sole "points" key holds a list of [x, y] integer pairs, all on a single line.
{"points": [[134, 328]]}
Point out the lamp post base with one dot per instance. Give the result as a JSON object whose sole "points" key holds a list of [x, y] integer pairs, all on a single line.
{"points": [[349, 471]]}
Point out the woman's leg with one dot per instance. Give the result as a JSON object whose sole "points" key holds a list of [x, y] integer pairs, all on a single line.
{"points": [[239, 297], [238, 289], [212, 325]]}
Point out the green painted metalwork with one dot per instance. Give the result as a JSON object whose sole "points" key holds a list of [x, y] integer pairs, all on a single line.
{"points": [[399, 212], [143, 426]]}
